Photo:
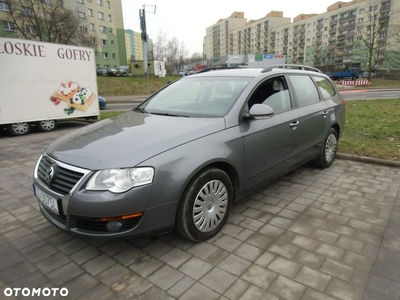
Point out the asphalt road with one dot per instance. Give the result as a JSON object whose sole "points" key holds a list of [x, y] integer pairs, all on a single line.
{"points": [[129, 102]]}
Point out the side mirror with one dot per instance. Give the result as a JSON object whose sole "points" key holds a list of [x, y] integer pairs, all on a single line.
{"points": [[260, 111]]}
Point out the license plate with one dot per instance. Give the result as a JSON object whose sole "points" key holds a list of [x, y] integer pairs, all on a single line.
{"points": [[46, 200]]}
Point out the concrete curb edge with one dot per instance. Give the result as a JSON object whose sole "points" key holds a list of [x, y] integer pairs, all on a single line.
{"points": [[369, 160]]}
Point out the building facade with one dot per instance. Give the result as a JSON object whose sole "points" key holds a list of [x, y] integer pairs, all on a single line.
{"points": [[340, 37], [134, 46], [100, 23]]}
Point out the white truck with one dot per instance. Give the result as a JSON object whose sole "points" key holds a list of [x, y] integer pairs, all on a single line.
{"points": [[41, 83]]}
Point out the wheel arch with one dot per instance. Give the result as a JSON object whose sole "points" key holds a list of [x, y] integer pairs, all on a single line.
{"points": [[337, 128]]}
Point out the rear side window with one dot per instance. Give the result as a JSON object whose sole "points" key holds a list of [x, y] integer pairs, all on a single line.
{"points": [[305, 90], [325, 87]]}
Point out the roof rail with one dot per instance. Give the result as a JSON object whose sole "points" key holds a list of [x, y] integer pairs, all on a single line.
{"points": [[215, 69], [290, 66]]}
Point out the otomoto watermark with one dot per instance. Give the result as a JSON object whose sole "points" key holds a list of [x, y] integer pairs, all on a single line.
{"points": [[27, 292]]}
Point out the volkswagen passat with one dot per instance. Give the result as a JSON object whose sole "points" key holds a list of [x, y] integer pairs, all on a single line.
{"points": [[182, 157]]}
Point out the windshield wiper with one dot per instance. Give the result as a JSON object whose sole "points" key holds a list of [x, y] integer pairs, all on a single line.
{"points": [[169, 114], [142, 110]]}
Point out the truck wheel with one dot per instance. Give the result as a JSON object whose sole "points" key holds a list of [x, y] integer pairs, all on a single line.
{"points": [[19, 128], [46, 125], [204, 207], [328, 150]]}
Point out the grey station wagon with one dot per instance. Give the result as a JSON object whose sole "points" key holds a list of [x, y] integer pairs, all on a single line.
{"points": [[181, 157]]}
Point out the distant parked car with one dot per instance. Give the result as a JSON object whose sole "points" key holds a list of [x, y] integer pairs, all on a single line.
{"points": [[365, 74], [100, 71], [115, 72], [122, 72], [102, 102]]}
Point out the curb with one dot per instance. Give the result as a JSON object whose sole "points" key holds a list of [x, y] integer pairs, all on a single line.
{"points": [[369, 160]]}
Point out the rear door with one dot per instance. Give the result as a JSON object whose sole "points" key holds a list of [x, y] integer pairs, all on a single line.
{"points": [[313, 113]]}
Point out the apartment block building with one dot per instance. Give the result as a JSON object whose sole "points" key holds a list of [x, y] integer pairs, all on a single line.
{"points": [[335, 38], [100, 22], [134, 45]]}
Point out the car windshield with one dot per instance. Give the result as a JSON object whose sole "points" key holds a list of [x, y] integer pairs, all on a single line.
{"points": [[197, 97]]}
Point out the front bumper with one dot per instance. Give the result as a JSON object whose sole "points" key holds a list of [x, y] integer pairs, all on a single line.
{"points": [[81, 211]]}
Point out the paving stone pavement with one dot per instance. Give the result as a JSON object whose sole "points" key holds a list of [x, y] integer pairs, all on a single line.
{"points": [[313, 234]]}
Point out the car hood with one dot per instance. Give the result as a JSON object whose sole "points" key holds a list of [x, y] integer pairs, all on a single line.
{"points": [[129, 139]]}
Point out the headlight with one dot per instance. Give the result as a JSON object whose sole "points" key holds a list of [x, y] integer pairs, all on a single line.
{"points": [[120, 180]]}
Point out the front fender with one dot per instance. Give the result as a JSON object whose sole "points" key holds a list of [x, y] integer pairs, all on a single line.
{"points": [[175, 168]]}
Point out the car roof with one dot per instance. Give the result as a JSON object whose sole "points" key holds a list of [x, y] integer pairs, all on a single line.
{"points": [[254, 72]]}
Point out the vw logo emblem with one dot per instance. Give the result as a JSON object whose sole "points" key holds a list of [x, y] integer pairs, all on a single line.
{"points": [[49, 174]]}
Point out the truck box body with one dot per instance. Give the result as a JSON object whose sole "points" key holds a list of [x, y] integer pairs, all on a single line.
{"points": [[44, 81]]}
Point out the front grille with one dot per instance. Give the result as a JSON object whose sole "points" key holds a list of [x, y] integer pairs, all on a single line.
{"points": [[64, 179], [96, 225], [62, 219]]}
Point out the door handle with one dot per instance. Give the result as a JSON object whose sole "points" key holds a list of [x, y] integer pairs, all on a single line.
{"points": [[294, 124], [324, 113]]}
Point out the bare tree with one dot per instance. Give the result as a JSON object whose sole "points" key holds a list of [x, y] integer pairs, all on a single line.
{"points": [[48, 21], [392, 57], [372, 32], [176, 54], [196, 57], [160, 45]]}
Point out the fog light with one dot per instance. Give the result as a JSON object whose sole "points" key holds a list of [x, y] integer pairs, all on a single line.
{"points": [[114, 226]]}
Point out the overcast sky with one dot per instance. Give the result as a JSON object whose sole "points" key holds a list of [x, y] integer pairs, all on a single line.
{"points": [[187, 20]]}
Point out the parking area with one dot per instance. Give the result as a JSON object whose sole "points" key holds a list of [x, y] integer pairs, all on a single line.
{"points": [[313, 234]]}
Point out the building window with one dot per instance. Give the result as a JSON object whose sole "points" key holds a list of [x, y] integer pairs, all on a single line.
{"points": [[90, 12], [109, 18], [111, 30], [327, 20], [94, 40], [102, 29], [52, 34], [361, 11], [99, 2], [96, 54], [31, 30], [80, 1], [8, 26], [4, 6], [108, 4], [81, 14], [104, 42], [48, 16], [101, 15], [114, 56], [92, 28], [47, 2], [83, 29], [105, 55], [60, 3], [27, 11], [112, 44]]}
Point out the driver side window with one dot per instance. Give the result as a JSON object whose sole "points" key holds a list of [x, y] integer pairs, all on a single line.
{"points": [[274, 93]]}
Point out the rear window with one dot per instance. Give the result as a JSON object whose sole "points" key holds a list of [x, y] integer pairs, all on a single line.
{"points": [[325, 87], [305, 90]]}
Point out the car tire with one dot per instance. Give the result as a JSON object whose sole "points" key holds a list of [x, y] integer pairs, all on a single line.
{"points": [[210, 193], [46, 125], [21, 128], [328, 150]]}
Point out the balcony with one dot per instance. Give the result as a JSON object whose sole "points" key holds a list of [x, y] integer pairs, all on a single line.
{"points": [[295, 39], [384, 19], [333, 22], [318, 42], [319, 33], [341, 44], [341, 37], [331, 47], [339, 60], [350, 26], [320, 26], [332, 30], [385, 6]]}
